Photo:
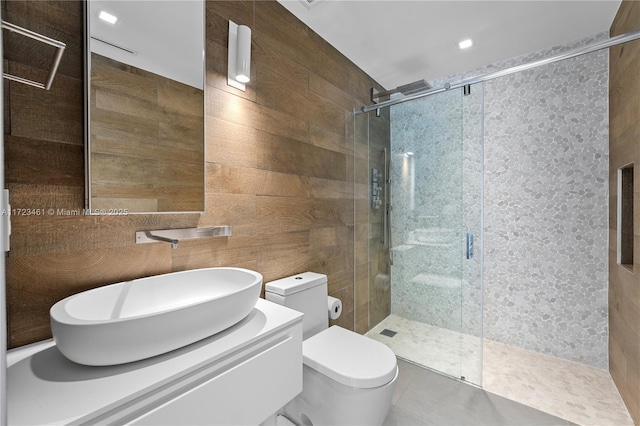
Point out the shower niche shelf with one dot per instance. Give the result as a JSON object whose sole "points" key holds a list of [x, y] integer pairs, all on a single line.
{"points": [[625, 217]]}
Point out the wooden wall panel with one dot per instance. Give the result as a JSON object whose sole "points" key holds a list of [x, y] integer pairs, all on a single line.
{"points": [[624, 140], [147, 140], [373, 304], [228, 107], [29, 300], [34, 161], [56, 19], [279, 165], [56, 115], [379, 299]]}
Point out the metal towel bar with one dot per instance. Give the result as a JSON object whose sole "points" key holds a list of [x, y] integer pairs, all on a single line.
{"points": [[39, 37]]}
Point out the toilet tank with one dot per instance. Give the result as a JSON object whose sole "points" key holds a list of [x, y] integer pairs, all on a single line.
{"points": [[306, 293]]}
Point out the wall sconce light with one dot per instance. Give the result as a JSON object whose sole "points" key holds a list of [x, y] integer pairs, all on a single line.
{"points": [[239, 69]]}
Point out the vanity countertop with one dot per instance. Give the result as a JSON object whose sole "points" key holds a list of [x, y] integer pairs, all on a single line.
{"points": [[44, 387]]}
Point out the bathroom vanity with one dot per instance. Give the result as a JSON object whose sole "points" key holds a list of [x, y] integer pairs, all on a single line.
{"points": [[239, 376]]}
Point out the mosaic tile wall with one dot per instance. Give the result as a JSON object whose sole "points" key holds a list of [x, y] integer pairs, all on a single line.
{"points": [[432, 199], [427, 209], [472, 193], [545, 242], [546, 209], [434, 205]]}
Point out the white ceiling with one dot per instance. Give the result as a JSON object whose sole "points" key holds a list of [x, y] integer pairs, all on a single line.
{"points": [[167, 36], [397, 42]]}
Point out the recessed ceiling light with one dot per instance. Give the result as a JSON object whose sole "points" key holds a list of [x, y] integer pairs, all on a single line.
{"points": [[107, 17], [465, 44]]}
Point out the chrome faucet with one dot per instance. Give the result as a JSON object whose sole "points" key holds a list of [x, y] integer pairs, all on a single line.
{"points": [[174, 236], [173, 242]]}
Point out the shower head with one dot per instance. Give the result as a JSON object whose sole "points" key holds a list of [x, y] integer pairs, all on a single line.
{"points": [[415, 87], [405, 89]]}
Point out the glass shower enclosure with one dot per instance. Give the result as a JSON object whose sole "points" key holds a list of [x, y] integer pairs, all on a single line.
{"points": [[418, 184]]}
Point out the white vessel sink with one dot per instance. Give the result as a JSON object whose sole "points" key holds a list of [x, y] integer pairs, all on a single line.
{"points": [[138, 319]]}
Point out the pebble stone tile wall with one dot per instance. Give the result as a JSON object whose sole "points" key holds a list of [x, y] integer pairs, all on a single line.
{"points": [[545, 199], [437, 200], [427, 209], [546, 209], [435, 204]]}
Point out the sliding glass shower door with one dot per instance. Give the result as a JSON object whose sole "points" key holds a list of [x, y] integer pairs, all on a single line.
{"points": [[431, 187]]}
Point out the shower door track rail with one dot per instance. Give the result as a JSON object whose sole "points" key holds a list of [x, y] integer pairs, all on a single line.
{"points": [[610, 42]]}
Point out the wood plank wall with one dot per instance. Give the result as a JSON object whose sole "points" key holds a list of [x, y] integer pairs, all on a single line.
{"points": [[147, 140], [279, 166], [624, 147], [379, 297], [373, 304]]}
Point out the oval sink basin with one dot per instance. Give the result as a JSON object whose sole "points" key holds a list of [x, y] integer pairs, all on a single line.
{"points": [[138, 319]]}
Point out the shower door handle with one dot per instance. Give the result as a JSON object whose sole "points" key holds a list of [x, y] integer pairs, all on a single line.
{"points": [[469, 245]]}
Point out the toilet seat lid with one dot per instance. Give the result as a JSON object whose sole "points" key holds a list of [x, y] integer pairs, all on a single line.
{"points": [[350, 358]]}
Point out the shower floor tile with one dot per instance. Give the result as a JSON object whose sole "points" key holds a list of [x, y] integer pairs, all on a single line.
{"points": [[575, 392], [435, 347], [580, 393]]}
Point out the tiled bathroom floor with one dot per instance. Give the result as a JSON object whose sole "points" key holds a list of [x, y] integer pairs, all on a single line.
{"points": [[577, 393], [423, 397]]}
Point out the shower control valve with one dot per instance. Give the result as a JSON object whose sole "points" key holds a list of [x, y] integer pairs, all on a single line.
{"points": [[376, 189]]}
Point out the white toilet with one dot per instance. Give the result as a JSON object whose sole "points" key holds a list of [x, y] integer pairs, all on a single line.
{"points": [[348, 379]]}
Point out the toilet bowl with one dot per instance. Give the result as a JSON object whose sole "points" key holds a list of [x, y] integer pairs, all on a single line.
{"points": [[348, 379]]}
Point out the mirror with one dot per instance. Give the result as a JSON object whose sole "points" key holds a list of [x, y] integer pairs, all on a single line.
{"points": [[145, 106]]}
